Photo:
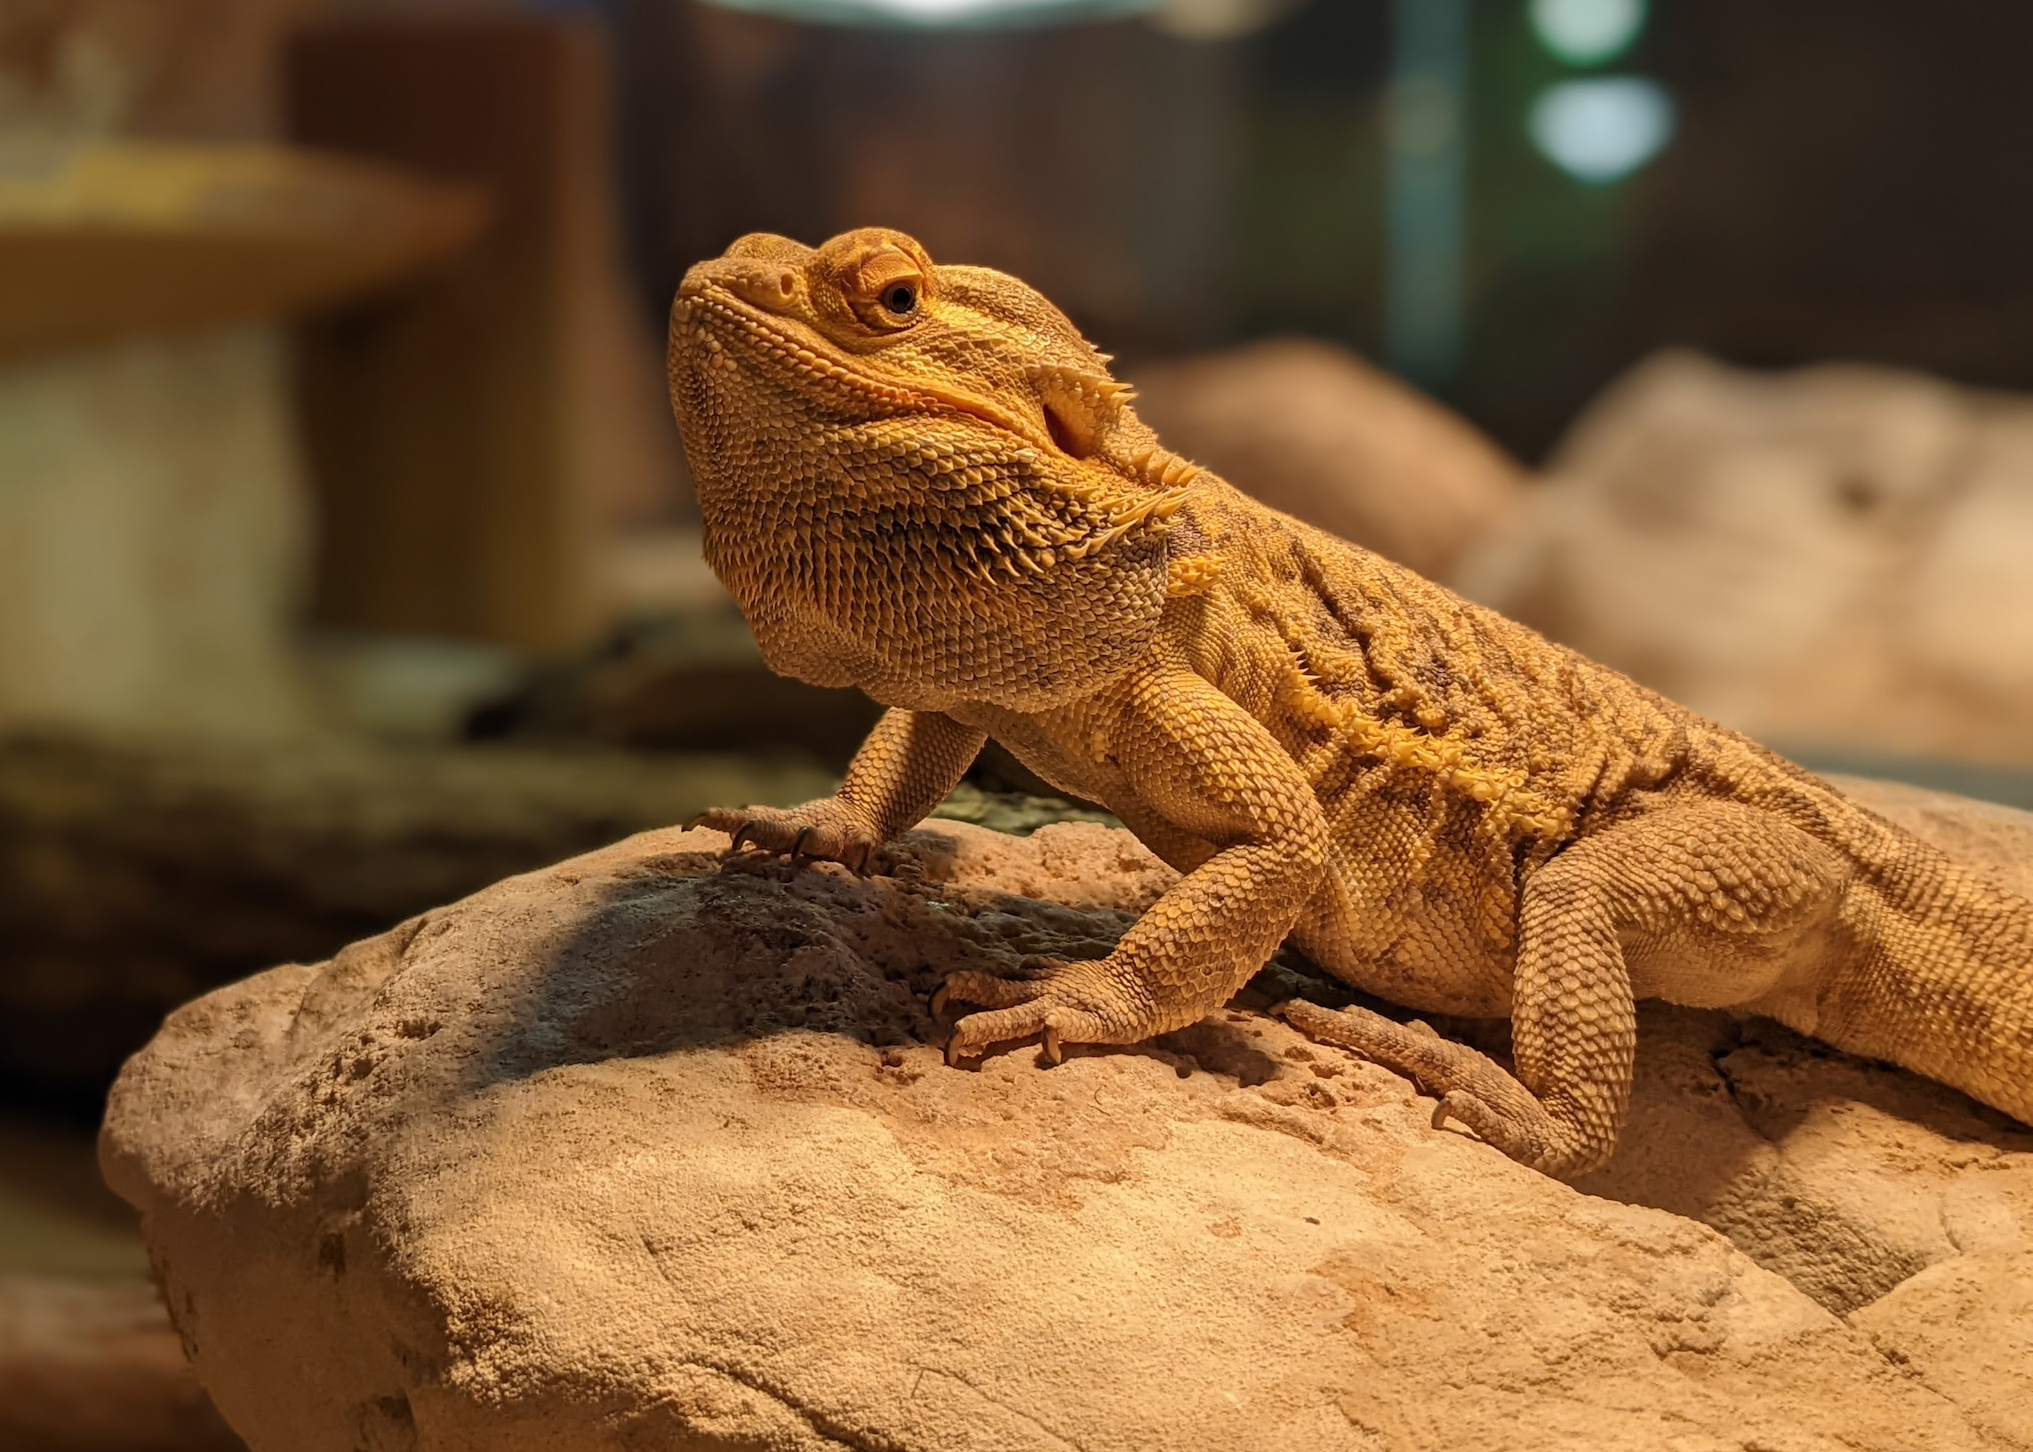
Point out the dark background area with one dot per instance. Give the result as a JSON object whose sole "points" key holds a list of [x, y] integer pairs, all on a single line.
{"points": [[1846, 181]]}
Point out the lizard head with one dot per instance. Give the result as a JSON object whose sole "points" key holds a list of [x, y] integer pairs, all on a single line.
{"points": [[917, 478]]}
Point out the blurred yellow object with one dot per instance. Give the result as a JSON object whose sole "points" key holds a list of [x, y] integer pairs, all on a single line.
{"points": [[106, 239]]}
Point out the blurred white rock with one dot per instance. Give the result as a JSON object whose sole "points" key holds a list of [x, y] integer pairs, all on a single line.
{"points": [[1831, 559], [153, 537], [1310, 428]]}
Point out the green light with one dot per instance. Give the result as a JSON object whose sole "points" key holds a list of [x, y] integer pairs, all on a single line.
{"points": [[1587, 32], [1600, 129]]}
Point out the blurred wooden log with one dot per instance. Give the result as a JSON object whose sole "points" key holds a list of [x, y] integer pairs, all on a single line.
{"points": [[91, 1366], [134, 876], [104, 240], [466, 437]]}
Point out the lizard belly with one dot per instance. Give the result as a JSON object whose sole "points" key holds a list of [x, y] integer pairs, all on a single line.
{"points": [[1426, 960], [1057, 755], [1060, 747], [1411, 913], [1100, 782]]}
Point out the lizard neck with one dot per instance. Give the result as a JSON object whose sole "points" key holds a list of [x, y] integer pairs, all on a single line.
{"points": [[929, 587]]}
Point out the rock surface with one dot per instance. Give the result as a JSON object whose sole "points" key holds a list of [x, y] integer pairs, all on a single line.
{"points": [[1309, 428], [1830, 558], [651, 1150]]}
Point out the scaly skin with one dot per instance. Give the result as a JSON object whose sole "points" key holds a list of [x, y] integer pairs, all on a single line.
{"points": [[922, 481]]}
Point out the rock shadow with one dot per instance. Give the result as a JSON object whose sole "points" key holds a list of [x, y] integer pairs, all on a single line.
{"points": [[693, 951]]}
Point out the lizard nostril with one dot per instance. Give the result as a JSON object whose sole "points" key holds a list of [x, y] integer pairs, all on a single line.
{"points": [[765, 287]]}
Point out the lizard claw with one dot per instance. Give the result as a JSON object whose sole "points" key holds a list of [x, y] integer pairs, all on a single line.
{"points": [[1060, 1002], [828, 830]]}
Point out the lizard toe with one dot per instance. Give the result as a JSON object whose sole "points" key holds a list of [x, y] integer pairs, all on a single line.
{"points": [[825, 830], [1049, 1000], [1532, 1138], [986, 989], [1056, 1024], [1033, 976]]}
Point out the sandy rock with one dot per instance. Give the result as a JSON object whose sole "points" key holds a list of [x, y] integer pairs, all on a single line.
{"points": [[1311, 429], [1965, 1329], [650, 1150], [1831, 558], [1843, 1177]]}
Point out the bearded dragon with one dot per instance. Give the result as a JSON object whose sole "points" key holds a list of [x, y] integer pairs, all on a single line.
{"points": [[922, 480]]}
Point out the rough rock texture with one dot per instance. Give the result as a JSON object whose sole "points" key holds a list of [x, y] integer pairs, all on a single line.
{"points": [[1311, 429], [1828, 558], [648, 1150]]}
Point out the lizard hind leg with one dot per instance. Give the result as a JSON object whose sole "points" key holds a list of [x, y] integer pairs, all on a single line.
{"points": [[1473, 1087], [1573, 1030], [1061, 1001], [1707, 903], [1560, 1134]]}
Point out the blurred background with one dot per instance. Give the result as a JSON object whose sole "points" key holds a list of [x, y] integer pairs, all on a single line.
{"points": [[348, 558]]}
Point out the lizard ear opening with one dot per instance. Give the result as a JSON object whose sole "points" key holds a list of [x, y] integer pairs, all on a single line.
{"points": [[1079, 407], [1068, 432]]}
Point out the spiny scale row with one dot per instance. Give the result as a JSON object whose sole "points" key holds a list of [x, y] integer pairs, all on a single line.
{"points": [[1513, 806]]}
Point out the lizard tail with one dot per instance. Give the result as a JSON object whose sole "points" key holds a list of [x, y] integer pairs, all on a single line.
{"points": [[1941, 981]]}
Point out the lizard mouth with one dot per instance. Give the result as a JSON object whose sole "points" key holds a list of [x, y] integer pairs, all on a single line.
{"points": [[720, 322]]}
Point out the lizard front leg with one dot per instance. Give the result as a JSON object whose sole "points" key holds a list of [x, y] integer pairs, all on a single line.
{"points": [[908, 764], [1195, 758]]}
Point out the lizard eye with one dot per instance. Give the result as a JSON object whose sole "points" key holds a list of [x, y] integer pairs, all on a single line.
{"points": [[886, 290]]}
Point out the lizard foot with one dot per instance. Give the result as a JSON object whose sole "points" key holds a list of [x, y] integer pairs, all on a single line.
{"points": [[829, 829], [1474, 1089], [1063, 1002]]}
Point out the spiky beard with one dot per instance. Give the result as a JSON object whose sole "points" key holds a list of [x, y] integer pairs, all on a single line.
{"points": [[930, 561]]}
